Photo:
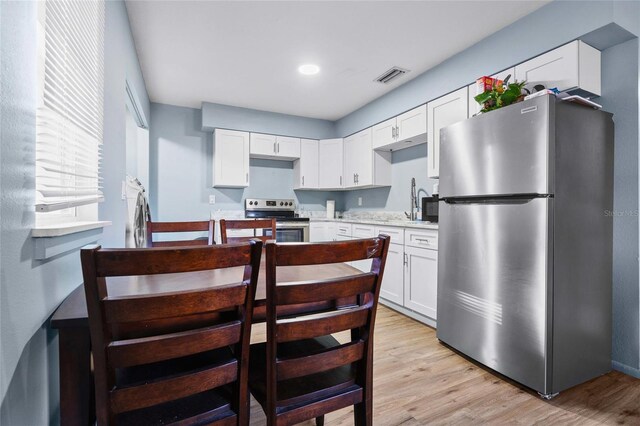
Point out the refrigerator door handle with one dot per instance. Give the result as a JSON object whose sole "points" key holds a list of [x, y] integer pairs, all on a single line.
{"points": [[513, 200]]}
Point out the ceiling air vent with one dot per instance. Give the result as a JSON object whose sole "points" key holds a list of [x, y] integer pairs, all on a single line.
{"points": [[390, 75]]}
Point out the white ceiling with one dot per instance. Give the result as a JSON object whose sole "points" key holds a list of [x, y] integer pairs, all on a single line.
{"points": [[247, 53]]}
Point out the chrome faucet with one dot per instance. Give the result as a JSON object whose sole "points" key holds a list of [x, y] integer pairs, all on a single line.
{"points": [[414, 202]]}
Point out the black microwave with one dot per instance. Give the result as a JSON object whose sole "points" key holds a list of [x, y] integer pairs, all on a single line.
{"points": [[430, 208]]}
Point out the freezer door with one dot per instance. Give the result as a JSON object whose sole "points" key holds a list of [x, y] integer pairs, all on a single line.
{"points": [[502, 152], [493, 285]]}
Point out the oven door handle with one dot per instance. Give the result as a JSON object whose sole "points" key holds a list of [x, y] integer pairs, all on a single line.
{"points": [[292, 224]]}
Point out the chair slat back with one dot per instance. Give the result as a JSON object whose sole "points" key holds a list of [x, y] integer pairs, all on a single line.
{"points": [[299, 367], [321, 324], [292, 293], [131, 262], [291, 254], [175, 304], [170, 327], [255, 224], [174, 227], [172, 388], [358, 318]]}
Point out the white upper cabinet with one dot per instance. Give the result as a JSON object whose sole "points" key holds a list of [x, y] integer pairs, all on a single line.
{"points": [[305, 170], [474, 107], [574, 67], [231, 158], [274, 147], [330, 163], [352, 152], [384, 134], [441, 113], [287, 147], [405, 130], [362, 165], [411, 128], [262, 145]]}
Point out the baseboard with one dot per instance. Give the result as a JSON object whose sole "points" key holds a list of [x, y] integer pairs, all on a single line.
{"points": [[635, 372], [411, 314]]}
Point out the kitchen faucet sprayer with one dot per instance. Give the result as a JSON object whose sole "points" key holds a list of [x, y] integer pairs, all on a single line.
{"points": [[414, 202]]}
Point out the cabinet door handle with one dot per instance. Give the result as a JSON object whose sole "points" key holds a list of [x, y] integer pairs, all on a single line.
{"points": [[274, 147], [247, 177], [406, 259], [354, 178], [423, 240], [397, 132], [357, 179], [278, 148], [340, 180], [393, 132], [302, 180]]}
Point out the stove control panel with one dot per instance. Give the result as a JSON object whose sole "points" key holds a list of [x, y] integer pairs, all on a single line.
{"points": [[269, 204]]}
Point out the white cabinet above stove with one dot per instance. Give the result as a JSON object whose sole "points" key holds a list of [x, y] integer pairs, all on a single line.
{"points": [[274, 147]]}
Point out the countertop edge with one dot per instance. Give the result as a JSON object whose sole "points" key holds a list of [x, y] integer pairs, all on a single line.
{"points": [[395, 223]]}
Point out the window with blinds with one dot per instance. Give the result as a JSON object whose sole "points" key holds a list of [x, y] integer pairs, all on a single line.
{"points": [[69, 118]]}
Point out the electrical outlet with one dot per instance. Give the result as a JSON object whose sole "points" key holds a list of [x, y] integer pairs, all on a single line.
{"points": [[212, 199], [359, 201]]}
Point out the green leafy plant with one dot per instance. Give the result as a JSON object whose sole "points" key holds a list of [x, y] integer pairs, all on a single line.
{"points": [[499, 97]]}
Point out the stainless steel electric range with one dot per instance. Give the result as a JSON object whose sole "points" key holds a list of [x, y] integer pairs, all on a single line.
{"points": [[289, 228]]}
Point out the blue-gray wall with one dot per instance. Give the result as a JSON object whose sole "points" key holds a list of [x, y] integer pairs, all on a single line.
{"points": [[405, 164], [181, 161], [538, 32], [251, 120], [620, 96], [30, 290]]}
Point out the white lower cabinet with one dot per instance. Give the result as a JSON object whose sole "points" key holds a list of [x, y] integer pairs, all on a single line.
{"points": [[411, 273], [421, 280], [362, 231], [322, 231], [410, 281], [316, 232], [393, 281]]}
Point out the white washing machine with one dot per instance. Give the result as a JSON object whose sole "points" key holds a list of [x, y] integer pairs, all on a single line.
{"points": [[137, 213]]}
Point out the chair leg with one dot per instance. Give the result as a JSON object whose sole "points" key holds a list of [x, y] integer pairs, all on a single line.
{"points": [[320, 420], [363, 413]]}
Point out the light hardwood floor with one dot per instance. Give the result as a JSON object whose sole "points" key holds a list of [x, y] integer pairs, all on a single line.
{"points": [[418, 381]]}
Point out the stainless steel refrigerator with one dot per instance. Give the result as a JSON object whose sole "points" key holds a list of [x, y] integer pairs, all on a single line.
{"points": [[525, 242]]}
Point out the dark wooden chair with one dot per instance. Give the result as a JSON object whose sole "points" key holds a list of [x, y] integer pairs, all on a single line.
{"points": [[257, 224], [302, 372], [175, 356], [201, 226]]}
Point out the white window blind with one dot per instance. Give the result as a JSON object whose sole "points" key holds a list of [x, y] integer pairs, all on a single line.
{"points": [[69, 119]]}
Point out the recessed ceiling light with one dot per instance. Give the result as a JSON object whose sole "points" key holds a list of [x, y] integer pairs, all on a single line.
{"points": [[309, 69]]}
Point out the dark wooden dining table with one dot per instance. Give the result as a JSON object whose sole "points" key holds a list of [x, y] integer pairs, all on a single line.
{"points": [[74, 342]]}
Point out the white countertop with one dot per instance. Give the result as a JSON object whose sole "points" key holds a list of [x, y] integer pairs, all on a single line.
{"points": [[400, 223]]}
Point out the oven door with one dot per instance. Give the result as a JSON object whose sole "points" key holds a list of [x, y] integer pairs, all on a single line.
{"points": [[290, 232]]}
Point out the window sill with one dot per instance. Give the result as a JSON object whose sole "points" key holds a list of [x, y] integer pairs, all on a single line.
{"points": [[59, 230], [54, 240]]}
